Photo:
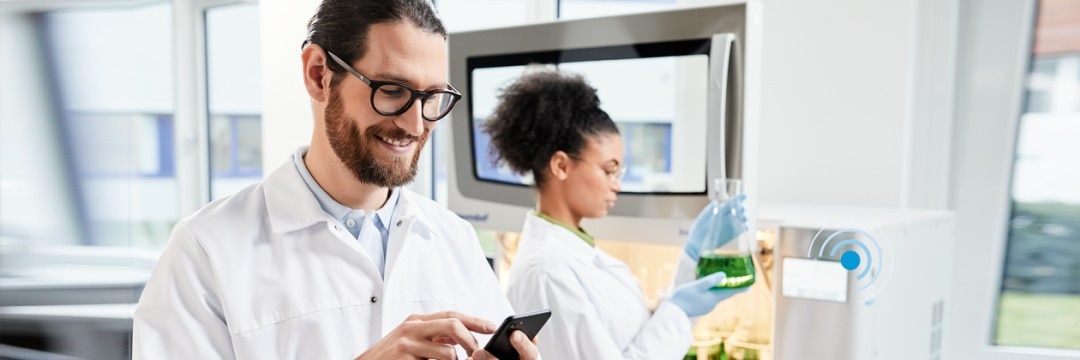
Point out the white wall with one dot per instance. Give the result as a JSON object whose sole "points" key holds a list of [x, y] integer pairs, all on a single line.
{"points": [[287, 120]]}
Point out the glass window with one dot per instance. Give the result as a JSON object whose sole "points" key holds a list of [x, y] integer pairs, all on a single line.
{"points": [[461, 15], [233, 89], [1040, 295], [665, 100], [115, 99], [574, 9]]}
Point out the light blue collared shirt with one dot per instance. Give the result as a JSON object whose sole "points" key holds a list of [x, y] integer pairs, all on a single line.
{"points": [[372, 238]]}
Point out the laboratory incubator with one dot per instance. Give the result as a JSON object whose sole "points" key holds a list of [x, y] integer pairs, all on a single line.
{"points": [[892, 306], [674, 82], [683, 87]]}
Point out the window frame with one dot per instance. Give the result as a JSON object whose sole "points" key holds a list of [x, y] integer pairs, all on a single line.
{"points": [[192, 119], [994, 55]]}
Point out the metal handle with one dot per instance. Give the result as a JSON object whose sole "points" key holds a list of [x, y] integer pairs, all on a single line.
{"points": [[720, 125]]}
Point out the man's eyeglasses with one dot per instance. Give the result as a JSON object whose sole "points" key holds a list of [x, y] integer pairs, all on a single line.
{"points": [[391, 98], [615, 175]]}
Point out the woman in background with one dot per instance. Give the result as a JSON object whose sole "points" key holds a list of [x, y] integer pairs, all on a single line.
{"points": [[551, 125]]}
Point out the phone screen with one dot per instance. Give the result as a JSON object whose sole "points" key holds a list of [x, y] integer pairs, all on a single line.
{"points": [[529, 323]]}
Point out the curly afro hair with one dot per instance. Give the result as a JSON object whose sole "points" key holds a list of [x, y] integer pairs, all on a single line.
{"points": [[543, 112]]}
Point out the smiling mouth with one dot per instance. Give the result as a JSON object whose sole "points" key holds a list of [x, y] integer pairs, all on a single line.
{"points": [[396, 142]]}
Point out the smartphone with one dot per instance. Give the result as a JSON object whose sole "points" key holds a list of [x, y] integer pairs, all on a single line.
{"points": [[529, 323]]}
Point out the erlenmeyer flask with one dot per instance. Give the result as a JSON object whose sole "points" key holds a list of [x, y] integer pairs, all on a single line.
{"points": [[715, 226]]}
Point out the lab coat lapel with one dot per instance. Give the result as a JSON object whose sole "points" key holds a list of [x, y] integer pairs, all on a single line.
{"points": [[290, 205], [409, 226], [572, 246]]}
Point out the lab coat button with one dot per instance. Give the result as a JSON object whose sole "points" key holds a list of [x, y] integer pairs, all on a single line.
{"points": [[374, 299], [399, 223]]}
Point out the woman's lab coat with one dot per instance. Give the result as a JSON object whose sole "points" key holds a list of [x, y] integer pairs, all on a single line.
{"points": [[267, 274], [598, 309]]}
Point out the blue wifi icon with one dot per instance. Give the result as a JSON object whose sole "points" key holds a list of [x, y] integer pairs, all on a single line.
{"points": [[860, 250]]}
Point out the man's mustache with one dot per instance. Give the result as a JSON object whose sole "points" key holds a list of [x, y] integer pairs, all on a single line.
{"points": [[393, 134]]}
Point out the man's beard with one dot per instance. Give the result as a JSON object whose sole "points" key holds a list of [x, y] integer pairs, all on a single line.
{"points": [[356, 151]]}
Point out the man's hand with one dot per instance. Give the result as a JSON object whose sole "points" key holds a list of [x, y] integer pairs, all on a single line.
{"points": [[432, 336], [525, 348]]}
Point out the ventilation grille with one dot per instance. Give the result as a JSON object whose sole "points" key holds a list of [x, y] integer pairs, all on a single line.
{"points": [[937, 322]]}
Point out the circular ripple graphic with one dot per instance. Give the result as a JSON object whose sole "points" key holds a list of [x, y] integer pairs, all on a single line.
{"points": [[861, 249]]}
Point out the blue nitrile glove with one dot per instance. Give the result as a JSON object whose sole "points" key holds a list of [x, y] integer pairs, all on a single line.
{"points": [[699, 298], [731, 224]]}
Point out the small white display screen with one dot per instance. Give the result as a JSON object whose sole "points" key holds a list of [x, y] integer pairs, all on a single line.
{"points": [[814, 279]]}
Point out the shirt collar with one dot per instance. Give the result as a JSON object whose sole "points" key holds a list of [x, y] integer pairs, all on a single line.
{"points": [[549, 237], [577, 231], [338, 211]]}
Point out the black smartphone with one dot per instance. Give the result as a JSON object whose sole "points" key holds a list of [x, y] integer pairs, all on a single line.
{"points": [[529, 323]]}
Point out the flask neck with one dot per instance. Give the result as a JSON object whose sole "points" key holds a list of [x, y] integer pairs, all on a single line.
{"points": [[718, 195], [724, 189]]}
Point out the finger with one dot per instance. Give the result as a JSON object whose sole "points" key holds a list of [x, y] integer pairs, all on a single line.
{"points": [[731, 203], [428, 350], [444, 340], [720, 295], [724, 294], [480, 355], [708, 282], [525, 348], [738, 200], [471, 322], [449, 328], [435, 316]]}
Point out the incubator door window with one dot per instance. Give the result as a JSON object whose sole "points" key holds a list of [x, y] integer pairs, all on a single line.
{"points": [[657, 96]]}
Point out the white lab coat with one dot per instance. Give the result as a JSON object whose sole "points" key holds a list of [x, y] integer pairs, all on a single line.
{"points": [[267, 274], [598, 309]]}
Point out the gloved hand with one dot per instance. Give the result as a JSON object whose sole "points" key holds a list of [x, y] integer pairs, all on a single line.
{"points": [[699, 298], [730, 216]]}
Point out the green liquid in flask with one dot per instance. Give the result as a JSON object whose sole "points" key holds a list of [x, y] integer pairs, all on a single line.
{"points": [[739, 269]]}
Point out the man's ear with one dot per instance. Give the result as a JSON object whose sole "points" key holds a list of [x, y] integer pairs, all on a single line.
{"points": [[559, 165], [316, 72]]}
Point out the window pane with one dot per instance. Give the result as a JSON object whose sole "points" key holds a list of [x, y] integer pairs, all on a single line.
{"points": [[672, 108], [574, 9], [233, 87], [1040, 297], [114, 71], [459, 15]]}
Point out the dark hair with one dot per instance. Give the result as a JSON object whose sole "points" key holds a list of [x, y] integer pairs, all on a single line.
{"points": [[342, 26], [543, 112]]}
